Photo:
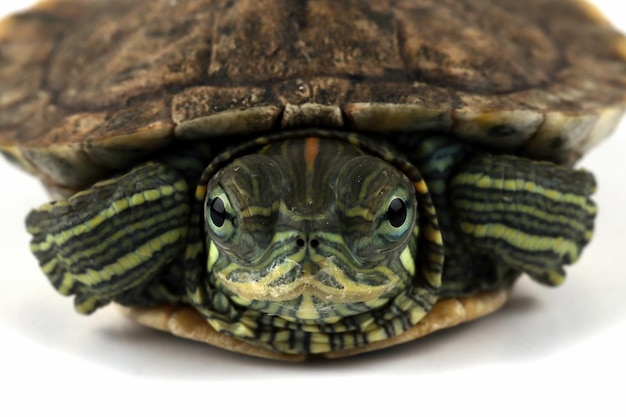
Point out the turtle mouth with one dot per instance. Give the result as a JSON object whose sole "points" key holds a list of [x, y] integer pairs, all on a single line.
{"points": [[321, 291], [307, 285]]}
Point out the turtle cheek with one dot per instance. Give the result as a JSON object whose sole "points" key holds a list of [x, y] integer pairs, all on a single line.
{"points": [[376, 204], [251, 237], [361, 244], [375, 238], [251, 186], [379, 243]]}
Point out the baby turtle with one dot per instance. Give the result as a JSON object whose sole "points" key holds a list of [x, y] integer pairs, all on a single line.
{"points": [[313, 178]]}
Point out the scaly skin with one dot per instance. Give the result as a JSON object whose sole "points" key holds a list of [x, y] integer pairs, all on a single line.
{"points": [[316, 241]]}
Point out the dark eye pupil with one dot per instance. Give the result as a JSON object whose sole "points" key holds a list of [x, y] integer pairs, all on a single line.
{"points": [[217, 212], [396, 214]]}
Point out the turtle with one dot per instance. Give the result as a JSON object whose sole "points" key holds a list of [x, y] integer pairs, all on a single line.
{"points": [[315, 178]]}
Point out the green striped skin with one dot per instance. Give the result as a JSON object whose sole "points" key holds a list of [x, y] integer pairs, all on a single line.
{"points": [[292, 241], [465, 270], [114, 237], [540, 218], [496, 212]]}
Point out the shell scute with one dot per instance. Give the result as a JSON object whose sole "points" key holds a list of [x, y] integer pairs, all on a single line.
{"points": [[554, 74]]}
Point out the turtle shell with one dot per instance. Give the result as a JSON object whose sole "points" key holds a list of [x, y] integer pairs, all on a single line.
{"points": [[88, 87], [186, 322]]}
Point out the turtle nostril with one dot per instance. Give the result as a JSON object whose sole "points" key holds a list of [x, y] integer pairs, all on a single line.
{"points": [[314, 243]]}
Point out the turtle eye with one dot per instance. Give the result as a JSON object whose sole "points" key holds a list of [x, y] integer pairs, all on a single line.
{"points": [[397, 212], [397, 217], [217, 212]]}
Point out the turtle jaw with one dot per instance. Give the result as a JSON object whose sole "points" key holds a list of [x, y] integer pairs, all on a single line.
{"points": [[311, 288], [305, 286]]}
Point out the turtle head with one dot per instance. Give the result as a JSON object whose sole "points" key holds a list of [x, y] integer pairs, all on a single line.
{"points": [[311, 231]]}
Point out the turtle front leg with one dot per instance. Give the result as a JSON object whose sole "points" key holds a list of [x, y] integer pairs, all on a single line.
{"points": [[105, 242], [528, 215]]}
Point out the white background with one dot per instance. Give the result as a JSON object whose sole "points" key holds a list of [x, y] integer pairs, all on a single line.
{"points": [[548, 351]]}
